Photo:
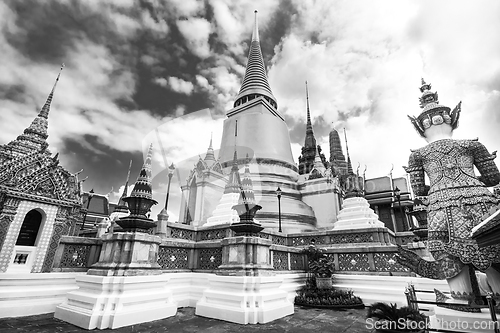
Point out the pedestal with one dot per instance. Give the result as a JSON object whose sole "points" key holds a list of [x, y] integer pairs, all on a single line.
{"points": [[245, 299], [128, 254], [246, 256], [124, 288], [115, 301], [245, 289]]}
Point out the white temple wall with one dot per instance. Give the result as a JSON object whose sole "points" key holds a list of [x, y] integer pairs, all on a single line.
{"points": [[324, 201], [36, 254]]}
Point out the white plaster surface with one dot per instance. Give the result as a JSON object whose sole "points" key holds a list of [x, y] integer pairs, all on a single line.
{"points": [[36, 293], [245, 299], [116, 301]]}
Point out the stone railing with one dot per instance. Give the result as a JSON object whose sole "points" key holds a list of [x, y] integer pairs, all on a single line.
{"points": [[76, 254], [186, 248]]}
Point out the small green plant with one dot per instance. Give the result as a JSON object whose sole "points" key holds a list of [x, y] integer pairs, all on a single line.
{"points": [[323, 267], [312, 296], [405, 319]]}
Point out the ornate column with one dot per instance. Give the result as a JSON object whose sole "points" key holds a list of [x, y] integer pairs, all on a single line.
{"points": [[62, 225], [126, 286], [9, 207]]}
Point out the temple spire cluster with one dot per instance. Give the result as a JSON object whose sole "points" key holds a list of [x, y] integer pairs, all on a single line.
{"points": [[310, 148]]}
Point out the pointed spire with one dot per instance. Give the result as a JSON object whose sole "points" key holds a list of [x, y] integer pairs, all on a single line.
{"points": [[142, 187], [122, 206], [44, 112], [349, 164], [318, 164], [308, 112], [255, 33], [246, 194], [310, 141], [234, 183], [40, 125], [255, 83], [210, 155]]}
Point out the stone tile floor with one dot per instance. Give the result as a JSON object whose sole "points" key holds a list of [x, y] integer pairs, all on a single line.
{"points": [[303, 320]]}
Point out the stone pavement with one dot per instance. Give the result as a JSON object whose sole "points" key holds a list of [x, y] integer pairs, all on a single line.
{"points": [[303, 320]]}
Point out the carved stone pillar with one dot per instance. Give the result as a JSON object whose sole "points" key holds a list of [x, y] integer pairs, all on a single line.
{"points": [[9, 210], [62, 225]]}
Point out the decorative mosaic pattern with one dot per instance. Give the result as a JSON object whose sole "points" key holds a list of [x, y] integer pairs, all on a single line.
{"points": [[263, 235], [9, 210], [403, 240], [182, 234], [210, 259], [279, 240], [280, 260], [386, 262], [173, 258], [354, 262], [43, 238], [307, 240], [352, 238], [212, 234], [75, 256], [297, 261], [59, 230]]}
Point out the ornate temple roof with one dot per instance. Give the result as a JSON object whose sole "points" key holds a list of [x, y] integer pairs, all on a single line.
{"points": [[255, 81], [142, 187], [34, 137], [28, 170]]}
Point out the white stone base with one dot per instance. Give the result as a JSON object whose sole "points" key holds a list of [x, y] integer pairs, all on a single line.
{"points": [[33, 294], [245, 299], [449, 319], [357, 214], [116, 301]]}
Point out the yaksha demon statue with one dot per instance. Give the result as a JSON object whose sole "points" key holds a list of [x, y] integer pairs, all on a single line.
{"points": [[457, 200]]}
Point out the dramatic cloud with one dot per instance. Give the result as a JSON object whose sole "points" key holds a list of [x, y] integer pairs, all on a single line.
{"points": [[133, 67]]}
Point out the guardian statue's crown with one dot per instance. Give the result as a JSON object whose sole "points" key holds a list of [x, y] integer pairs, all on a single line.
{"points": [[432, 112]]}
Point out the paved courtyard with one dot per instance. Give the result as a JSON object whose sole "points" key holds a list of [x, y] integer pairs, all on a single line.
{"points": [[303, 320]]}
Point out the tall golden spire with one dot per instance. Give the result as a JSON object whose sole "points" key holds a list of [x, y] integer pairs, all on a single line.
{"points": [[255, 82]]}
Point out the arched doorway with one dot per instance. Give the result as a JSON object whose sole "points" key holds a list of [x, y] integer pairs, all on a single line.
{"points": [[25, 248], [29, 230]]}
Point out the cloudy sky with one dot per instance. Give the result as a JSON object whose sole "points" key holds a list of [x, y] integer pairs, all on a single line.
{"points": [[132, 67]]}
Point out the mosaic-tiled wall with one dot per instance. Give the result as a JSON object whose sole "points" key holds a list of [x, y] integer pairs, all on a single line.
{"points": [[44, 235]]}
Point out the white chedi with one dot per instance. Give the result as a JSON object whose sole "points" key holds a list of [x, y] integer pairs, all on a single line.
{"points": [[224, 213], [357, 214]]}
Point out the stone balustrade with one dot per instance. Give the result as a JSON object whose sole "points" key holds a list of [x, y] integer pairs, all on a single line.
{"points": [[190, 249]]}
